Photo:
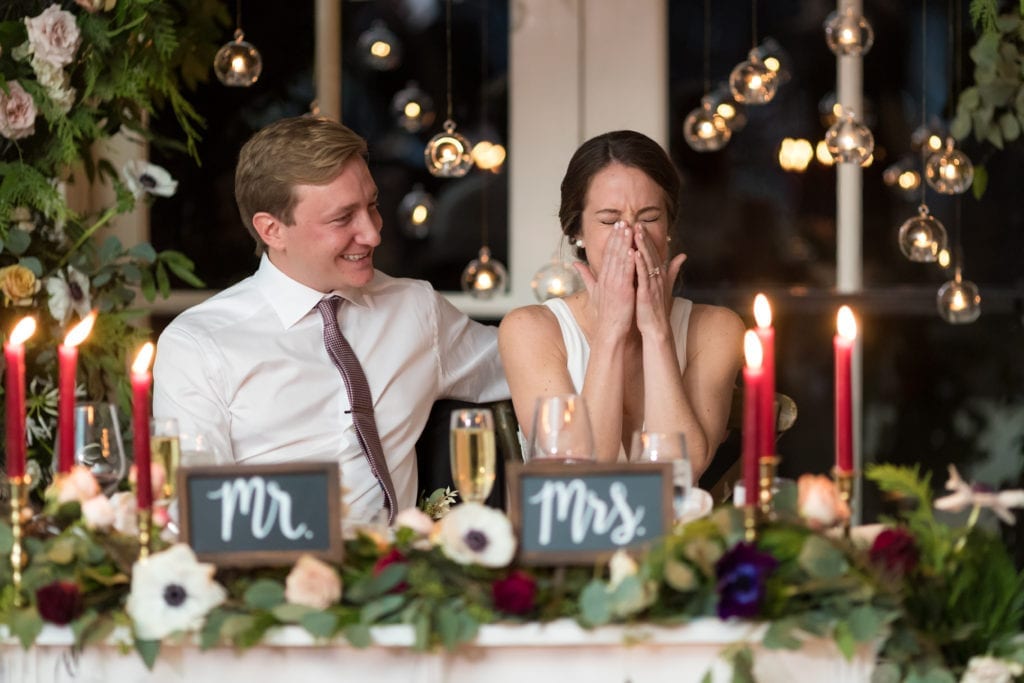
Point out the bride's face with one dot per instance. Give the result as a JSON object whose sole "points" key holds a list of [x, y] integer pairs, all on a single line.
{"points": [[623, 193]]}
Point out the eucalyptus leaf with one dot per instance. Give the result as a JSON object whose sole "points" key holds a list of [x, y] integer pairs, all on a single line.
{"points": [[62, 551], [845, 640], [210, 635], [986, 50], [373, 611], [17, 241], [866, 623], [448, 627], [33, 264], [1007, 23], [148, 650], [1009, 126], [628, 597], [885, 672], [960, 127], [822, 560], [980, 182], [595, 606], [290, 613], [264, 594], [143, 251], [236, 624], [110, 250], [995, 136], [997, 93], [780, 635], [970, 98], [163, 281], [103, 277], [26, 625], [358, 635], [6, 539], [320, 624]]}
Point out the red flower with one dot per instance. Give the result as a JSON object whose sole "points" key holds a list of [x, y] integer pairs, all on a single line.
{"points": [[895, 551], [391, 558], [59, 602], [515, 594]]}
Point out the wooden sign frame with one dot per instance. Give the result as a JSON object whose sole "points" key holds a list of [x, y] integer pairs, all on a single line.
{"points": [[562, 470], [331, 551]]}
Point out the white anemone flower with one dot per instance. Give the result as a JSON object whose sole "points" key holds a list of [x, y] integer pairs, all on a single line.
{"points": [[69, 294], [476, 534], [991, 670], [964, 495], [172, 591], [144, 178]]}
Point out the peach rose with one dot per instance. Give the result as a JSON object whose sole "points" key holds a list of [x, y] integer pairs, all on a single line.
{"points": [[77, 485], [54, 36], [18, 284], [312, 583], [17, 112], [819, 502], [98, 513]]}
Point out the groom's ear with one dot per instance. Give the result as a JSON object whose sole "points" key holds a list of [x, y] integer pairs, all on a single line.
{"points": [[270, 230]]}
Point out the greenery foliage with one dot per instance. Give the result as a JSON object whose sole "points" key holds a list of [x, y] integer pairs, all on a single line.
{"points": [[948, 595], [130, 60]]}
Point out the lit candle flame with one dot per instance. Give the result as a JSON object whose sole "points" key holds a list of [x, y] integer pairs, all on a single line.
{"points": [[419, 214], [380, 49], [752, 350], [412, 109], [846, 324], [77, 334], [143, 359], [762, 311], [238, 64], [958, 302], [25, 328]]}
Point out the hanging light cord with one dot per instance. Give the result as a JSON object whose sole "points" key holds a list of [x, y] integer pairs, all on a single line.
{"points": [[238, 15], [483, 117], [707, 46], [924, 101], [448, 54], [958, 58], [753, 24]]}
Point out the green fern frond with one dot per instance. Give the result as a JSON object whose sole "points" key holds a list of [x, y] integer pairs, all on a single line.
{"points": [[984, 14]]}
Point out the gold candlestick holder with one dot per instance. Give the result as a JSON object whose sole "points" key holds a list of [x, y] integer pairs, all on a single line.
{"points": [[767, 466], [19, 503], [844, 487], [145, 532], [750, 522]]}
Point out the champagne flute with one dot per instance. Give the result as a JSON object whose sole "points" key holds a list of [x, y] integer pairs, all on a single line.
{"points": [[666, 447], [561, 430], [98, 443], [473, 452], [165, 449]]}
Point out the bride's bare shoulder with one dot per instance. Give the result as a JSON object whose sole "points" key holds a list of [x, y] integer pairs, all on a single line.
{"points": [[530, 321]]}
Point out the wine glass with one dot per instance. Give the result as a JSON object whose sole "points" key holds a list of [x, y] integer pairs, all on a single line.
{"points": [[98, 444], [666, 447], [561, 430], [165, 449], [472, 452]]}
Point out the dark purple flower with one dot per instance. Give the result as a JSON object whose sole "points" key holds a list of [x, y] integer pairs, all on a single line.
{"points": [[741, 576], [59, 602], [514, 594], [895, 551]]}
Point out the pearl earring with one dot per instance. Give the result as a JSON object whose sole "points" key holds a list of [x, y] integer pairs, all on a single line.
{"points": [[578, 243]]}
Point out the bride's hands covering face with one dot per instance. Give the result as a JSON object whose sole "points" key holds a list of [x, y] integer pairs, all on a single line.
{"points": [[612, 294], [654, 278]]}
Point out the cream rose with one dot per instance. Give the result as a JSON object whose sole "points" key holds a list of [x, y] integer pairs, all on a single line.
{"points": [[17, 112], [99, 513], [18, 284], [54, 36], [312, 583]]}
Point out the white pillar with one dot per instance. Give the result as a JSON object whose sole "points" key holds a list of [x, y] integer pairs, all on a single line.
{"points": [[327, 66], [849, 222]]}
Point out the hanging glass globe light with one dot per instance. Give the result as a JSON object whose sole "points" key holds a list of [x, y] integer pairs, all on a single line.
{"points": [[484, 276], [416, 212], [238, 63], [959, 301], [379, 47], [412, 108], [752, 82], [849, 140], [555, 279], [704, 129], [726, 106], [447, 154], [902, 176], [848, 33], [949, 171], [922, 237]]}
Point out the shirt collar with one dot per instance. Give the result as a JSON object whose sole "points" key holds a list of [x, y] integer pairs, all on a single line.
{"points": [[292, 300]]}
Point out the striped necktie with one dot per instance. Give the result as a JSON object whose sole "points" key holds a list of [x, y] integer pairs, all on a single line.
{"points": [[359, 398]]}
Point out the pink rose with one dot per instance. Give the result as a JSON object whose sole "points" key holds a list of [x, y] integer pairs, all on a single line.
{"points": [[312, 583], [415, 519], [125, 513], [77, 485], [93, 6], [54, 36], [17, 112], [819, 502]]}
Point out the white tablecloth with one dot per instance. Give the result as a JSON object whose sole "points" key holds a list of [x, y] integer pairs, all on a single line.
{"points": [[560, 652]]}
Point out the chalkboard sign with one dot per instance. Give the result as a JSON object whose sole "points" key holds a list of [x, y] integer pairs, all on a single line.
{"points": [[582, 513], [261, 514]]}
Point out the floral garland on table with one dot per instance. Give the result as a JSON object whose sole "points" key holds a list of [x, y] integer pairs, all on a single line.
{"points": [[73, 74], [940, 602]]}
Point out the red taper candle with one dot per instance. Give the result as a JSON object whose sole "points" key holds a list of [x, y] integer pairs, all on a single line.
{"points": [[67, 360], [766, 413], [846, 335], [141, 381], [14, 415], [753, 381]]}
